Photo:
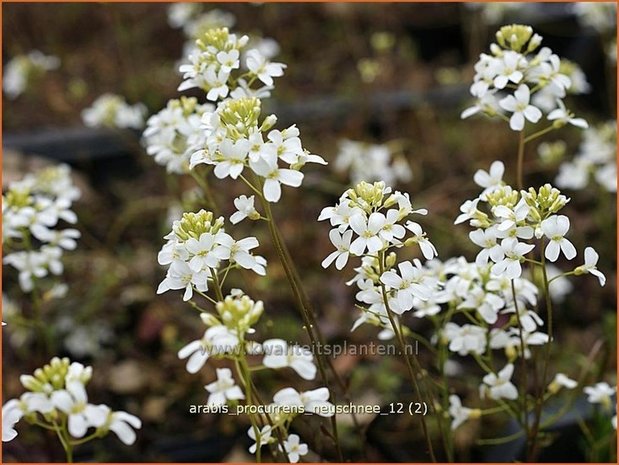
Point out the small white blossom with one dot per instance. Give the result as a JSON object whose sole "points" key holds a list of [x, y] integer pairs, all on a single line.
{"points": [[294, 448], [279, 355], [518, 104], [245, 209], [498, 386], [224, 389], [555, 228], [315, 401]]}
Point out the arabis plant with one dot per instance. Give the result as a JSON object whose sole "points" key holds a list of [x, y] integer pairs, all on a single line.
{"points": [[507, 80], [371, 162], [197, 246], [371, 222], [596, 159], [172, 134], [217, 67], [230, 335], [56, 400], [35, 212]]}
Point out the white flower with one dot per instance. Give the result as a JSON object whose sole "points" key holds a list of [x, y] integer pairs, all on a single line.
{"points": [[342, 244], [468, 210], [264, 436], [561, 381], [427, 248], [11, 414], [30, 265], [407, 285], [239, 252], [487, 104], [465, 339], [514, 252], [275, 176], [181, 276], [367, 229], [245, 209], [294, 448], [315, 401], [111, 110], [491, 179], [591, 260], [217, 340], [74, 402], [562, 114], [487, 304], [264, 69], [206, 251], [122, 424], [232, 158], [279, 355], [19, 70], [498, 386], [217, 83], [555, 228], [600, 393], [519, 105], [228, 60], [224, 388], [487, 238], [507, 70], [511, 217], [460, 414], [285, 145]]}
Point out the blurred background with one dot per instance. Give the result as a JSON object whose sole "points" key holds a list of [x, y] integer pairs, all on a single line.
{"points": [[393, 74]]}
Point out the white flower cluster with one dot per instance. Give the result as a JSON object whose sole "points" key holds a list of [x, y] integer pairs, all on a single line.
{"points": [[596, 157], [371, 162], [510, 224], [33, 210], [113, 111], [172, 135], [20, 70], [235, 140], [369, 222], [516, 83], [196, 247], [217, 67], [226, 338], [56, 395]]}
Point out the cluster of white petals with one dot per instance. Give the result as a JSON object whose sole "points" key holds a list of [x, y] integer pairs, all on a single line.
{"points": [[172, 135], [20, 70], [236, 139], [33, 212], [521, 83], [113, 111], [371, 162], [596, 159], [510, 224], [195, 249], [58, 391], [222, 65]]}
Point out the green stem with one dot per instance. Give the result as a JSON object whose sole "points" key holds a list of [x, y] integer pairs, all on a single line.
{"points": [[538, 134], [307, 314], [519, 166], [540, 397], [523, 368]]}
